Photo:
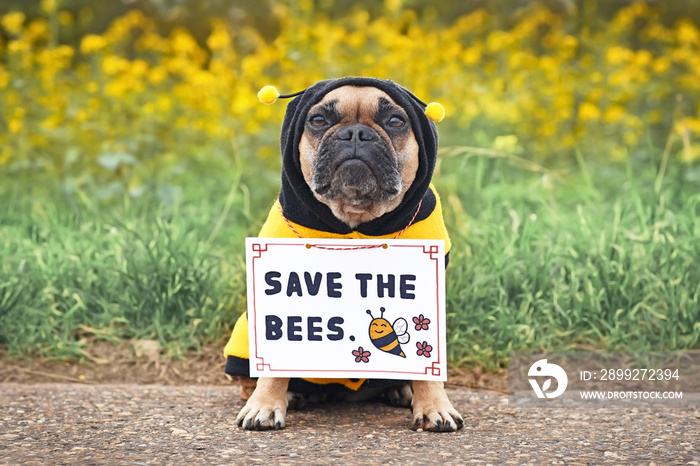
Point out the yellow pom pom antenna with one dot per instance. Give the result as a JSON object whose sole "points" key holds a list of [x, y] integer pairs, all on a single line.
{"points": [[435, 111], [268, 95]]}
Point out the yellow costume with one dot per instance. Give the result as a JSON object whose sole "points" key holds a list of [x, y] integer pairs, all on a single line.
{"points": [[236, 351]]}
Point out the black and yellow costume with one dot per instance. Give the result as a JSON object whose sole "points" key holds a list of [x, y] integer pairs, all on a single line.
{"points": [[313, 219]]}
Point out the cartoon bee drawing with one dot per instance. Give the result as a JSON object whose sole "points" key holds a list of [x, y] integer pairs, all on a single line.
{"points": [[388, 337]]}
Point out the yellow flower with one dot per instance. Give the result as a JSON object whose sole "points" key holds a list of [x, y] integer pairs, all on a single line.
{"points": [[182, 42], [393, 5], [139, 67], [81, 115], [157, 74], [522, 60], [18, 46], [219, 38], [120, 28], [52, 122], [113, 65], [306, 5], [657, 32], [614, 113], [4, 77], [117, 88], [687, 33], [617, 55], [38, 29], [588, 112], [150, 41], [498, 40], [642, 58], [49, 6], [661, 65], [472, 55], [596, 93], [164, 103], [569, 42], [12, 22], [92, 43], [625, 17], [693, 124], [15, 125], [471, 21]]}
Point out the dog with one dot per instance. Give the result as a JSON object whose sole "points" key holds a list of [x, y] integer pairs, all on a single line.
{"points": [[358, 157]]}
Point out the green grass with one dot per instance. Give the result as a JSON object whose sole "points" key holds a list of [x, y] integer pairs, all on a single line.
{"points": [[550, 261], [596, 258], [72, 273]]}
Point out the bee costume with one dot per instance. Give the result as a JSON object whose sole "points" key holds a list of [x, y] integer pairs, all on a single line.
{"points": [[297, 212]]}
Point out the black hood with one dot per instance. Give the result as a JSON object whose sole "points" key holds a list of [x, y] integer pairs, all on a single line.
{"points": [[298, 201]]}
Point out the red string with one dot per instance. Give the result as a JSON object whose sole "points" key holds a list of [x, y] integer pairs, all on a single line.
{"points": [[279, 207], [309, 246]]}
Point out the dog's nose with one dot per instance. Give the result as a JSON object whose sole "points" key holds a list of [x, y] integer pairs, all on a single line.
{"points": [[356, 133]]}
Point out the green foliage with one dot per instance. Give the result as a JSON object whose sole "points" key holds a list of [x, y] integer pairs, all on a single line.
{"points": [[71, 273], [541, 260], [548, 262]]}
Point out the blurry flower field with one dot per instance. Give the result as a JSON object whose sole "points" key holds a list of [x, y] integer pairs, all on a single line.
{"points": [[569, 170], [130, 102]]}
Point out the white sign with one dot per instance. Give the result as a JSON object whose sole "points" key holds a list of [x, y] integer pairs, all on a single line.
{"points": [[346, 308]]}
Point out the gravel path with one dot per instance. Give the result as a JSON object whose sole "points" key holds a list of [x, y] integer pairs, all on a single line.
{"points": [[150, 424]]}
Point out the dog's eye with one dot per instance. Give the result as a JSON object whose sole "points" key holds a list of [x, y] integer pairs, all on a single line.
{"points": [[396, 122], [317, 121]]}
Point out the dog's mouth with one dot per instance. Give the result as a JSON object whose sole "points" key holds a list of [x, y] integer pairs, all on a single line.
{"points": [[358, 180]]}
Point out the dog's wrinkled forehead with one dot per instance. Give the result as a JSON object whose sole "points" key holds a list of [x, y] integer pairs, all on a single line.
{"points": [[356, 104]]}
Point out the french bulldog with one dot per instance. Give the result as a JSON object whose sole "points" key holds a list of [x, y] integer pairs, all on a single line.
{"points": [[358, 157]]}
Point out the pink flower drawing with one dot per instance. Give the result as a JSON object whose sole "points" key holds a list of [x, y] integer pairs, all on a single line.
{"points": [[361, 355], [424, 349], [421, 322]]}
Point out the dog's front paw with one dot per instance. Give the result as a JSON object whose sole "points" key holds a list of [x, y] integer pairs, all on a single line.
{"points": [[256, 416], [437, 419], [432, 410], [267, 407]]}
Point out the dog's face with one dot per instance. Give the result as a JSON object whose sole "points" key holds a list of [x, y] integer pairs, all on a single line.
{"points": [[358, 153]]}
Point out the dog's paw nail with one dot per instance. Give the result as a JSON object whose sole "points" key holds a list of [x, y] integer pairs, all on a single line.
{"points": [[249, 424], [257, 423], [278, 425], [439, 424], [448, 425]]}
